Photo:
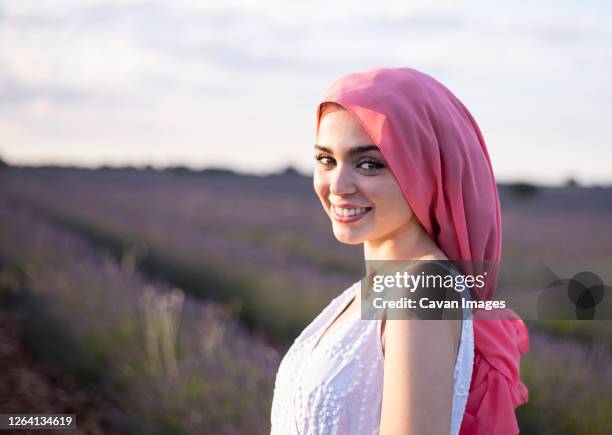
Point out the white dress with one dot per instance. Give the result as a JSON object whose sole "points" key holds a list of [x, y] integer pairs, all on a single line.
{"points": [[336, 388]]}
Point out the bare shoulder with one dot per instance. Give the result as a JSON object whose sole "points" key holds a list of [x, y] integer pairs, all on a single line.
{"points": [[418, 375], [400, 331], [435, 330]]}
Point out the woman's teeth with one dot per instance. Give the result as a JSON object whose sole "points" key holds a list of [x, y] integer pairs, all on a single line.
{"points": [[346, 212]]}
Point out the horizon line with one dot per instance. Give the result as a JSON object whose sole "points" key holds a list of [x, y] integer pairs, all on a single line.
{"points": [[288, 169]]}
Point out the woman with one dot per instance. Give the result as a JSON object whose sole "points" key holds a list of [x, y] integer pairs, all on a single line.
{"points": [[402, 168]]}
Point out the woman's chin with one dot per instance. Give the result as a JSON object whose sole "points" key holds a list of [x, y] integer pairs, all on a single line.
{"points": [[348, 237]]}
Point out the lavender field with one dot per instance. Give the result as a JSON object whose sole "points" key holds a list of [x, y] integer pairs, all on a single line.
{"points": [[175, 294], [168, 362]]}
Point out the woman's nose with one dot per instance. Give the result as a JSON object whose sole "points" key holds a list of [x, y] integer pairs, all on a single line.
{"points": [[342, 181]]}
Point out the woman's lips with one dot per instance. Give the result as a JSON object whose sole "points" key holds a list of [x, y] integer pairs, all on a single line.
{"points": [[349, 214]]}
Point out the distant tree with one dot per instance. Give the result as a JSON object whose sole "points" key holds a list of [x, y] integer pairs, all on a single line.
{"points": [[571, 182], [179, 170], [3, 164], [290, 170], [524, 190], [217, 171]]}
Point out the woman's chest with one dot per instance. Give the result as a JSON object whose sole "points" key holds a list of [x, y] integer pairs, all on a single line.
{"points": [[331, 385]]}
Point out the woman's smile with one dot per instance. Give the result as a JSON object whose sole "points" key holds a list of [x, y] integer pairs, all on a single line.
{"points": [[348, 213]]}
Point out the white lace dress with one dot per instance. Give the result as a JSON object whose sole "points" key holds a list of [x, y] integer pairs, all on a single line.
{"points": [[336, 388]]}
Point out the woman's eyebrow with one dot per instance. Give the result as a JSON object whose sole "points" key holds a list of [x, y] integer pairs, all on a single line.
{"points": [[355, 150]]}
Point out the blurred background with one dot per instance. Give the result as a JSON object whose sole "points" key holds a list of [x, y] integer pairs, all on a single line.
{"points": [[161, 245]]}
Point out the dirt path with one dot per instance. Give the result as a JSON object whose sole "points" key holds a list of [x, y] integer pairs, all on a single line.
{"points": [[26, 386]]}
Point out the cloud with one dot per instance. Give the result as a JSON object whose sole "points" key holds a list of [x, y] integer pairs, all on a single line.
{"points": [[14, 91], [419, 22]]}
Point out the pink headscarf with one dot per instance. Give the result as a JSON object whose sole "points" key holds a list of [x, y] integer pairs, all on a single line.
{"points": [[436, 151]]}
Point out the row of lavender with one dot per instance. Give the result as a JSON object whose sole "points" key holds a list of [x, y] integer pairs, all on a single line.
{"points": [[220, 240], [170, 363], [570, 387]]}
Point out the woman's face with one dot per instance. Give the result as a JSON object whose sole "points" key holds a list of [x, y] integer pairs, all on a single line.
{"points": [[358, 191]]}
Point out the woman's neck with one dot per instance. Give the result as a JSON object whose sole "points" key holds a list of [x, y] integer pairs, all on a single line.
{"points": [[410, 242]]}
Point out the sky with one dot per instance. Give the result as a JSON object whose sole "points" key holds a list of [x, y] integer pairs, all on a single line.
{"points": [[236, 83]]}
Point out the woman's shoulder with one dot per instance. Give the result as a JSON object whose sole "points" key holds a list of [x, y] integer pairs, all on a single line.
{"points": [[403, 333], [452, 327]]}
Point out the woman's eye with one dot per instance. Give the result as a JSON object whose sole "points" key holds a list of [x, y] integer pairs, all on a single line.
{"points": [[325, 160], [370, 165]]}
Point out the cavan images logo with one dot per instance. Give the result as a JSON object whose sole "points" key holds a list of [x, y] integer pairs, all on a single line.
{"points": [[584, 296]]}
